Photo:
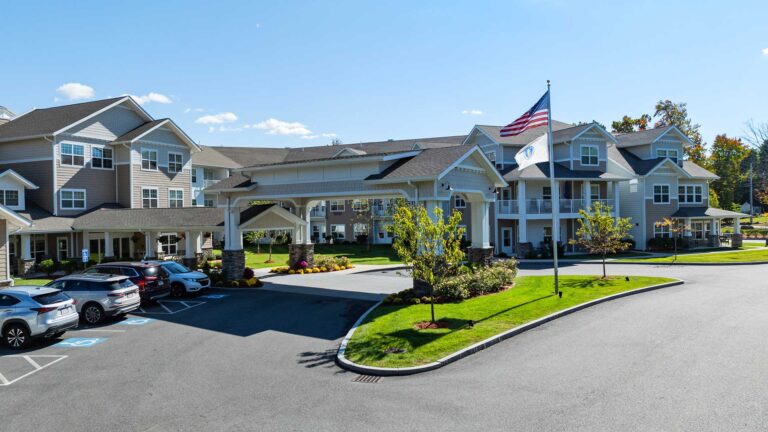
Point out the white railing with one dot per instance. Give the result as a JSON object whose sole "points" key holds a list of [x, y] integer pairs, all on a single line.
{"points": [[508, 207], [571, 205], [538, 206], [210, 182], [318, 212]]}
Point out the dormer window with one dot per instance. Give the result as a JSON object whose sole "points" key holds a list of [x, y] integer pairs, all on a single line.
{"points": [[589, 155], [72, 154], [9, 197], [668, 153]]}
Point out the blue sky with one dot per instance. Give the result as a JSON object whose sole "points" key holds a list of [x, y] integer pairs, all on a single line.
{"points": [[299, 73]]}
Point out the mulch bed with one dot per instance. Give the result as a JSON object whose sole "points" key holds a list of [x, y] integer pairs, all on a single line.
{"points": [[432, 325]]}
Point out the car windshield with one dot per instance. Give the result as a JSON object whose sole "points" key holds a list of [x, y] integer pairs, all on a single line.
{"points": [[51, 298], [175, 268]]}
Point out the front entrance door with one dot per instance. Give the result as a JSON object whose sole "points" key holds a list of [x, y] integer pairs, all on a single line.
{"points": [[62, 248], [507, 241]]}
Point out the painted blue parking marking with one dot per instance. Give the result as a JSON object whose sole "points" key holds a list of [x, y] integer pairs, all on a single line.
{"points": [[80, 342], [214, 296], [135, 321]]}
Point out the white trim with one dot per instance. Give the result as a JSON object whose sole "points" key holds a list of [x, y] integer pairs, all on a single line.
{"points": [[61, 199], [492, 172], [102, 148], [73, 144], [141, 159], [28, 184], [175, 190], [279, 211], [106, 108], [10, 215], [592, 126], [581, 154], [154, 188], [693, 185], [672, 163], [679, 133], [669, 193], [37, 159]]}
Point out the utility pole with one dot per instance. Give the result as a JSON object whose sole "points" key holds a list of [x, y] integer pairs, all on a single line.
{"points": [[751, 193]]}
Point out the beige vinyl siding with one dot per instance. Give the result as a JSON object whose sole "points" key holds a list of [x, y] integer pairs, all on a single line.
{"points": [[162, 180], [99, 183], [26, 150], [41, 174], [108, 125], [3, 250], [123, 179]]}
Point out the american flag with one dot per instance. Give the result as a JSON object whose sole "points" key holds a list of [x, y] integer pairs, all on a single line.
{"points": [[538, 115]]}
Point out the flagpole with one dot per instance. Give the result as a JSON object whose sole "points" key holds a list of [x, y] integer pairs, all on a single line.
{"points": [[555, 192]]}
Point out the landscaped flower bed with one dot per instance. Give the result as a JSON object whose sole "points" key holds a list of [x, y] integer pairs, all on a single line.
{"points": [[322, 265]]}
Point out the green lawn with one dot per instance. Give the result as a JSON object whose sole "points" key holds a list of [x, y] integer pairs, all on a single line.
{"points": [[356, 253], [531, 298], [21, 281], [748, 254]]}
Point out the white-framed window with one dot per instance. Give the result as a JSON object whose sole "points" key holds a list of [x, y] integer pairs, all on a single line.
{"points": [[194, 175], [9, 197], [149, 197], [670, 153], [360, 205], [209, 200], [72, 199], [338, 231], [101, 158], [589, 155], [546, 193], [149, 159], [661, 194], [338, 206], [175, 198], [175, 162], [464, 234], [661, 231], [594, 191], [690, 194], [169, 244], [359, 229], [459, 202], [72, 154], [38, 246]]}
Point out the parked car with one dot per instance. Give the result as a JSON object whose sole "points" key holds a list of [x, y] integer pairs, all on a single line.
{"points": [[98, 296], [152, 283], [28, 312], [182, 279]]}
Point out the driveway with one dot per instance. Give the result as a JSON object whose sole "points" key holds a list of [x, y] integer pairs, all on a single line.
{"points": [[684, 358]]}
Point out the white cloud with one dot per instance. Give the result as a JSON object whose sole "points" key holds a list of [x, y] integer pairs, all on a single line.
{"points": [[329, 135], [75, 91], [189, 110], [152, 97], [279, 127], [225, 117], [765, 51], [472, 112]]}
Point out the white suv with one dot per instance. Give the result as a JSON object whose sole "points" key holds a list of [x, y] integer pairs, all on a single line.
{"points": [[182, 279]]}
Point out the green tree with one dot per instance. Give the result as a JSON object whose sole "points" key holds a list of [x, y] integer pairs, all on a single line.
{"points": [[714, 200], [727, 156], [428, 244], [669, 113], [628, 125], [254, 237], [676, 229], [602, 234]]}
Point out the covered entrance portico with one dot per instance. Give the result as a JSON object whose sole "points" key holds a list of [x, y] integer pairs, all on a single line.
{"points": [[703, 226], [429, 177]]}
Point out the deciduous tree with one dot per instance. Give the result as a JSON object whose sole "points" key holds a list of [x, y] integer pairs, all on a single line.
{"points": [[669, 113], [727, 156], [602, 234], [628, 124]]}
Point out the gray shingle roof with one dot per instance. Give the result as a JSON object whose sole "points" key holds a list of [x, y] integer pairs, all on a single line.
{"points": [[133, 134], [684, 212], [187, 218], [525, 137], [638, 166], [541, 171], [211, 157], [43, 221], [46, 121], [697, 171], [428, 163], [248, 156], [235, 181], [641, 137]]}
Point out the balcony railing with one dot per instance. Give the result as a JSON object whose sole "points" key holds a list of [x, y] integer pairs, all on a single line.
{"points": [[508, 207], [210, 182], [317, 212], [544, 206]]}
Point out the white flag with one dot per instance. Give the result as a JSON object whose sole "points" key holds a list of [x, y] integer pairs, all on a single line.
{"points": [[535, 152]]}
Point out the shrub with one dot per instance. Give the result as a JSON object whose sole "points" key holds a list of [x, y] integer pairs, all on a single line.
{"points": [[632, 243], [47, 266], [248, 273], [343, 261], [68, 266], [302, 265], [453, 289]]}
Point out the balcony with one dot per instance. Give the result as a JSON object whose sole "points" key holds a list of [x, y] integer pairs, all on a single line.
{"points": [[382, 211], [317, 212], [210, 182], [508, 207]]}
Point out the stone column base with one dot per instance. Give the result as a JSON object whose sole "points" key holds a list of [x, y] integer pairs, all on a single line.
{"points": [[301, 252], [25, 267], [480, 256], [233, 263], [713, 240], [190, 263], [736, 241]]}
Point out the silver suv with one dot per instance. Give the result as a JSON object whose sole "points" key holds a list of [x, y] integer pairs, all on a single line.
{"points": [[100, 295], [27, 312]]}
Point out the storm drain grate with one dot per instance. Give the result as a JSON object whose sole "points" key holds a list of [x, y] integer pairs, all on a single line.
{"points": [[370, 379]]}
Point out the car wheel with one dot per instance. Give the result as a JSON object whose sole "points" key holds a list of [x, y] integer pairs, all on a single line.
{"points": [[93, 314], [16, 336], [178, 290]]}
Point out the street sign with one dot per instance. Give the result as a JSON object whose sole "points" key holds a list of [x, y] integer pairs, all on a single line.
{"points": [[86, 256]]}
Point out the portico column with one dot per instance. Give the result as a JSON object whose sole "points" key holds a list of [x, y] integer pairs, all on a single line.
{"points": [[190, 256], [522, 223], [26, 262], [233, 255], [480, 251], [687, 229], [108, 250], [302, 248], [737, 238], [616, 200], [150, 245], [587, 195]]}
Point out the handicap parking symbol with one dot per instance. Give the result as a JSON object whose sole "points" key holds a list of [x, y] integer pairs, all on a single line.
{"points": [[135, 321], [80, 342], [214, 296]]}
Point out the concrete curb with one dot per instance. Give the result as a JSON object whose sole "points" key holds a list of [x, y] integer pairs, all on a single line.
{"points": [[344, 363], [690, 264]]}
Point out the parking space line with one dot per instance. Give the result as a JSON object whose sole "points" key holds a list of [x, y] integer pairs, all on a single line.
{"points": [[57, 358], [166, 308], [189, 304], [100, 330]]}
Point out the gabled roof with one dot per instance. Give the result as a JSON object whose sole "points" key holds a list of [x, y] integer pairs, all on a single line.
{"points": [[686, 212], [571, 133], [13, 218], [630, 162], [649, 136], [147, 128], [494, 133], [696, 171], [17, 177], [212, 157], [541, 171], [233, 183], [43, 221], [47, 121]]}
